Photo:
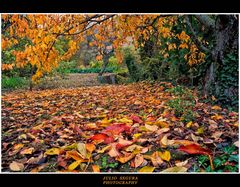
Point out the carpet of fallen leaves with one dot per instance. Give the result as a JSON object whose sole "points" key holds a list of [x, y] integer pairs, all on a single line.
{"points": [[114, 128]]}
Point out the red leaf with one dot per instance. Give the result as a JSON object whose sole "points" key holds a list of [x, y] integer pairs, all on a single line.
{"points": [[194, 149], [116, 129], [136, 119], [102, 137]]}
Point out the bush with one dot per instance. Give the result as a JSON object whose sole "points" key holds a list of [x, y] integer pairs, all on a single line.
{"points": [[13, 82], [132, 59], [183, 103]]}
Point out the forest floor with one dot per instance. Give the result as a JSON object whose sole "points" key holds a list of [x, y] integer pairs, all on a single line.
{"points": [[138, 127]]}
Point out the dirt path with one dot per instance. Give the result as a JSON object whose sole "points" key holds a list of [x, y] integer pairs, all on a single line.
{"points": [[72, 80]]}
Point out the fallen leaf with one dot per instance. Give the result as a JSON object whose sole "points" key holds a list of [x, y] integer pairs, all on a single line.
{"points": [[183, 142], [133, 147], [16, 166], [215, 107], [101, 138], [181, 164], [104, 149], [156, 159], [165, 142], [96, 168], [162, 124], [113, 151], [18, 146], [147, 169], [22, 136], [189, 124], [151, 128], [236, 143], [61, 162], [138, 160], [194, 149], [52, 151], [90, 147], [116, 129], [81, 147], [28, 151], [217, 135], [125, 120], [176, 169], [73, 165], [136, 119], [74, 155], [200, 130], [125, 158], [216, 117], [162, 130], [165, 155], [137, 135], [195, 138]]}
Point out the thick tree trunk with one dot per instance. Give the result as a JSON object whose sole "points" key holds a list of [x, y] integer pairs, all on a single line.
{"points": [[226, 41]]}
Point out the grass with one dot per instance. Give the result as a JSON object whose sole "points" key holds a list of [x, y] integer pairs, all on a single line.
{"points": [[14, 82]]}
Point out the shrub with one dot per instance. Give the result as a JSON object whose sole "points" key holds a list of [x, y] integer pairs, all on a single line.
{"points": [[13, 82]]}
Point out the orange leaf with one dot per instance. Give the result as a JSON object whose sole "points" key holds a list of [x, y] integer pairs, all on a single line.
{"points": [[125, 158], [95, 168], [90, 147]]}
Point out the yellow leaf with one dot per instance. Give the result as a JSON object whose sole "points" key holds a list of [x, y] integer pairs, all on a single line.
{"points": [[147, 169], [104, 149], [176, 169], [73, 165], [137, 135], [165, 155], [105, 122], [81, 147], [70, 147], [162, 124], [189, 124], [200, 130], [52, 151], [125, 120], [96, 168], [22, 136], [16, 166]]}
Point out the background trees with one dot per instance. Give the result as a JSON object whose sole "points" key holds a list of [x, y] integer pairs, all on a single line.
{"points": [[195, 50]]}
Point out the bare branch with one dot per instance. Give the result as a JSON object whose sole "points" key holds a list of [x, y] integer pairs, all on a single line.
{"points": [[195, 38]]}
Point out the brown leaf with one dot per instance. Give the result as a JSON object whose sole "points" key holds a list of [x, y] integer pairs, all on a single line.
{"points": [[16, 166], [138, 160]]}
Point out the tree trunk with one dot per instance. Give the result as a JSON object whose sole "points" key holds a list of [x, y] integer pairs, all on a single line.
{"points": [[31, 82], [105, 63], [226, 41]]}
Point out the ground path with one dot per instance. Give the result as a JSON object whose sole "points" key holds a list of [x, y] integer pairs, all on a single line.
{"points": [[110, 128]]}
